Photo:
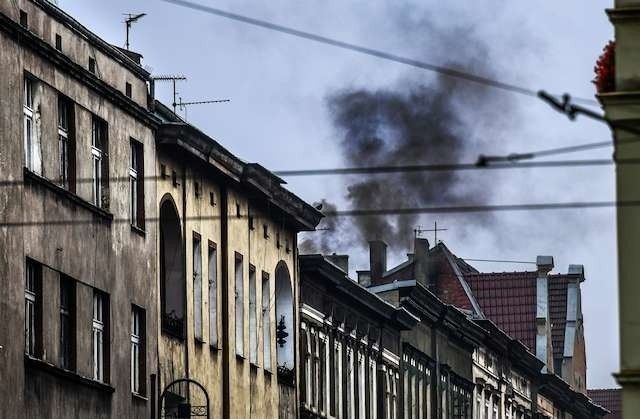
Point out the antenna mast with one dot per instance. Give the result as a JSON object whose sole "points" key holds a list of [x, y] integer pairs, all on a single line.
{"points": [[131, 18], [183, 105], [173, 79]]}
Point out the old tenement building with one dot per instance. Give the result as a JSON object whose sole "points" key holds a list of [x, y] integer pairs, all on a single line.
{"points": [[77, 260], [136, 251]]}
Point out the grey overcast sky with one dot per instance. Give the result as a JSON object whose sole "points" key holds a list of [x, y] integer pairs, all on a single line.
{"points": [[279, 88]]}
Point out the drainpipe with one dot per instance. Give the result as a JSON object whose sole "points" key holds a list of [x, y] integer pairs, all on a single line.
{"points": [[224, 256], [184, 266]]}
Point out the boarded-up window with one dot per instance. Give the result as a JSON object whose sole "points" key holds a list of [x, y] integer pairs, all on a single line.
{"points": [[266, 321], [253, 327], [197, 286], [213, 294], [239, 305]]}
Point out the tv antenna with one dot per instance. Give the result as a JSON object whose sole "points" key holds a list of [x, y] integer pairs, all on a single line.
{"points": [[131, 18], [183, 105], [419, 230], [174, 79]]}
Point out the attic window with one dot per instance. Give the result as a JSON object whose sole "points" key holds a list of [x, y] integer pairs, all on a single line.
{"points": [[24, 19], [212, 199], [92, 65], [127, 90], [265, 231], [251, 224], [278, 240], [58, 42], [238, 210], [197, 189], [287, 248]]}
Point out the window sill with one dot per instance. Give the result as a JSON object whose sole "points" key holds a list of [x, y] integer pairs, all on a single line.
{"points": [[139, 231], [240, 357], [44, 366], [139, 397], [199, 341], [172, 335], [37, 179], [214, 348]]}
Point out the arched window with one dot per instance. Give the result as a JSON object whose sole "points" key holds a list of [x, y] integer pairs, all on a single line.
{"points": [[172, 283], [285, 327]]}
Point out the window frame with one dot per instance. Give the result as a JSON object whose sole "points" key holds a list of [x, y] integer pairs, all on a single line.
{"points": [[266, 322], [100, 336], [33, 308], [138, 350], [136, 184], [67, 317], [196, 250], [239, 303], [212, 292], [99, 156]]}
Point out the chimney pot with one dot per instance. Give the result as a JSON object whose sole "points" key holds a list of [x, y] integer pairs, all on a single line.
{"points": [[576, 270], [421, 257], [341, 261], [377, 260], [544, 263], [364, 278]]}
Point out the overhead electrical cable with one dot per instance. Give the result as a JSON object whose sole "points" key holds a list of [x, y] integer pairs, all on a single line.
{"points": [[454, 209], [447, 71]]}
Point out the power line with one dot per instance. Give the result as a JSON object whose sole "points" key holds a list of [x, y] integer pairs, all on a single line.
{"points": [[368, 51], [363, 212], [389, 169]]}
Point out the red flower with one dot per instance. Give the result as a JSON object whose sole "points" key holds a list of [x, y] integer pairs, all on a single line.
{"points": [[605, 69]]}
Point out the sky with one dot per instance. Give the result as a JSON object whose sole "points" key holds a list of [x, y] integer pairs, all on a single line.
{"points": [[281, 89]]}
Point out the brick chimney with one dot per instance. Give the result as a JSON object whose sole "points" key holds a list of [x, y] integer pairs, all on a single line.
{"points": [[377, 260], [341, 261], [544, 350], [421, 257]]}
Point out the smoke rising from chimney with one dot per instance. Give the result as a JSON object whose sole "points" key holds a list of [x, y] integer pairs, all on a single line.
{"points": [[434, 119]]}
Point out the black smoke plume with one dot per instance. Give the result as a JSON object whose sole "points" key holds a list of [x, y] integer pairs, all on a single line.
{"points": [[441, 120]]}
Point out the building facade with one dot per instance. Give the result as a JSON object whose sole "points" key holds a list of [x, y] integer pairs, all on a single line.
{"points": [[350, 352], [228, 273], [77, 258]]}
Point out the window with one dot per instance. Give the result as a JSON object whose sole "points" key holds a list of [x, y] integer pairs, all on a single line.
{"points": [[31, 140], [138, 353], [212, 199], [92, 65], [32, 308], [67, 323], [172, 280], [136, 184], [58, 42], [238, 213], [197, 286], [265, 231], [24, 19], [266, 321], [100, 336], [253, 326], [99, 155], [66, 145], [127, 89], [213, 294], [239, 305], [251, 223], [197, 190]]}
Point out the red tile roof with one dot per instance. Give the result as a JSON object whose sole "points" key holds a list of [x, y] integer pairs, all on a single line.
{"points": [[610, 399], [509, 300]]}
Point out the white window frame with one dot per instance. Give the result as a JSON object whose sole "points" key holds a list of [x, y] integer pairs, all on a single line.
{"points": [[31, 144], [98, 327], [30, 304], [133, 184], [63, 141], [136, 346], [97, 155]]}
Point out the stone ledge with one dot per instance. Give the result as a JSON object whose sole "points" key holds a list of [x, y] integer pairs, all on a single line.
{"points": [[39, 180], [35, 363], [622, 14]]}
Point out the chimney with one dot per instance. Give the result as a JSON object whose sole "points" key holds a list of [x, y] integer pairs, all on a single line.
{"points": [[341, 261], [364, 278], [577, 270], [377, 260], [544, 350], [421, 257]]}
